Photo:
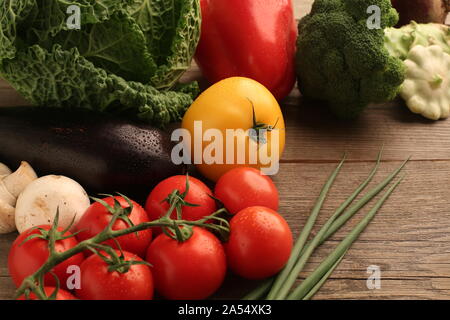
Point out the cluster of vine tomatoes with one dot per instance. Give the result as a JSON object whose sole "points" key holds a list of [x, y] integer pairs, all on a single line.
{"points": [[258, 245]]}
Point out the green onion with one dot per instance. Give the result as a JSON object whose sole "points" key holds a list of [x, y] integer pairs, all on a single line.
{"points": [[340, 221], [304, 234], [311, 246], [299, 258], [260, 291], [307, 285], [324, 278]]}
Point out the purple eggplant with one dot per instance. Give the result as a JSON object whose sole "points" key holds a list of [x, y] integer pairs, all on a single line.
{"points": [[103, 153]]}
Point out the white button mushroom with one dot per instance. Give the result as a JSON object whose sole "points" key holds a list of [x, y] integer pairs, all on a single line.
{"points": [[7, 223], [4, 170], [11, 185], [38, 203]]}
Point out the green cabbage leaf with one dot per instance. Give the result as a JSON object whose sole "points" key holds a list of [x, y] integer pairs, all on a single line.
{"points": [[127, 56]]}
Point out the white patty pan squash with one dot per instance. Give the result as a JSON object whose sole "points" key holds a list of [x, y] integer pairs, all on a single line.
{"points": [[426, 89]]}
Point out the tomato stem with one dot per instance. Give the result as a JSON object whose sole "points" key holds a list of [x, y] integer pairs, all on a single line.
{"points": [[259, 130], [35, 282]]}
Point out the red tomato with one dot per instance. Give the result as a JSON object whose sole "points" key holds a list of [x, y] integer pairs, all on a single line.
{"points": [[61, 295], [245, 187], [97, 218], [260, 243], [191, 270], [25, 258], [198, 194], [98, 283]]}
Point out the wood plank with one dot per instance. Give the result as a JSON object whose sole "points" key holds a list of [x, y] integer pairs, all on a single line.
{"points": [[6, 288], [356, 289], [421, 200], [302, 7], [313, 133], [405, 289], [9, 97], [5, 243], [409, 239], [6, 285]]}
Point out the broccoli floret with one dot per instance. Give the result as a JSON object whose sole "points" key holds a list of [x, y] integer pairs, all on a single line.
{"points": [[342, 61]]}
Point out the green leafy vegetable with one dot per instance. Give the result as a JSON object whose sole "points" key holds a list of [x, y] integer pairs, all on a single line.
{"points": [[169, 35], [127, 57]]}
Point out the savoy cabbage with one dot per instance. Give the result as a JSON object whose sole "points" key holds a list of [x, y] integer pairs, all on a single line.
{"points": [[127, 56]]}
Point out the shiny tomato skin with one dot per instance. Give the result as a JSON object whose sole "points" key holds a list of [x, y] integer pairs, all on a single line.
{"points": [[260, 243], [97, 283], [245, 187], [192, 270], [198, 194], [25, 258], [61, 295], [234, 105], [97, 217]]}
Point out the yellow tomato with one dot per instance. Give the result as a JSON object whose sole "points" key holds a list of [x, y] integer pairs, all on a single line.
{"points": [[230, 108]]}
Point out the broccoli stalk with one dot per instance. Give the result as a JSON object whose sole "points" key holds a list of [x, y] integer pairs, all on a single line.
{"points": [[343, 62]]}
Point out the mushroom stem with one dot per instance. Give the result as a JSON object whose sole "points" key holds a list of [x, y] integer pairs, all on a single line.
{"points": [[16, 182], [6, 196], [4, 170], [7, 221], [11, 186]]}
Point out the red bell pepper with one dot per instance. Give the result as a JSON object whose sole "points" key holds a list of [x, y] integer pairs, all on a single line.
{"points": [[249, 38]]}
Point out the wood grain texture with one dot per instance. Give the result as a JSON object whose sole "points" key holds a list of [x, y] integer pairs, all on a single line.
{"points": [[409, 238], [315, 134]]}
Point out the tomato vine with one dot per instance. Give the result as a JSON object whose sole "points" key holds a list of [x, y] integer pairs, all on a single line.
{"points": [[178, 229]]}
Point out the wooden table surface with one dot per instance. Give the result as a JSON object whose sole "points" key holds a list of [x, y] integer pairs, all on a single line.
{"points": [[410, 237]]}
